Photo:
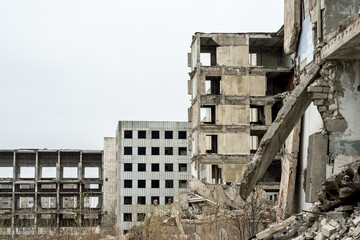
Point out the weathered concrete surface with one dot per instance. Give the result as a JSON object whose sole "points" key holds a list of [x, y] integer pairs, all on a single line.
{"points": [[285, 121], [291, 25], [288, 174], [342, 160], [316, 165]]}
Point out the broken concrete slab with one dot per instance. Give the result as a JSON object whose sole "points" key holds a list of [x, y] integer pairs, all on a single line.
{"points": [[276, 227], [277, 133], [291, 25]]}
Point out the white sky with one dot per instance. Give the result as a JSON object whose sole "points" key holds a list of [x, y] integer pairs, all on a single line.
{"points": [[70, 69]]}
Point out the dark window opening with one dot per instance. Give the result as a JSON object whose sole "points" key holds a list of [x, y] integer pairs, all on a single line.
{"points": [[142, 134], [213, 85], [155, 167], [168, 151], [155, 151], [127, 200], [182, 151], [141, 217], [255, 138], [257, 114], [141, 167], [211, 143], [127, 217], [128, 183], [168, 134], [182, 167], [127, 150], [141, 200], [141, 183], [182, 134], [155, 134], [207, 114], [155, 200], [273, 173], [168, 167], [182, 183], [169, 200], [275, 110], [141, 150], [127, 167], [169, 183], [155, 183], [216, 173], [277, 82], [127, 134]]}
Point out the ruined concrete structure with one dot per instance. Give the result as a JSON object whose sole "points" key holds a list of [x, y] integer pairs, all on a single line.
{"points": [[46, 191], [323, 38], [152, 167], [236, 87]]}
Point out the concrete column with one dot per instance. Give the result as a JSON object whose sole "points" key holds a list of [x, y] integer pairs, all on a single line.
{"points": [[58, 177], [13, 197], [80, 176], [36, 189]]}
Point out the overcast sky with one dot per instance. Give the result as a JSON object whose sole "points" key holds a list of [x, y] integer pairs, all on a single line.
{"points": [[70, 69]]}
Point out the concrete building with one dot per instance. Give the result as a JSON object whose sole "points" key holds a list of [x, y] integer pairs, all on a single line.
{"points": [[152, 164], [236, 87], [46, 191], [323, 37]]}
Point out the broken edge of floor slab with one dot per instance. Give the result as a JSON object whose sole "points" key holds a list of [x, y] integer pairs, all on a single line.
{"points": [[277, 133]]}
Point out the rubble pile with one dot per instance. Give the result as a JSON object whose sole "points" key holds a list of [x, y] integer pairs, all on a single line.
{"points": [[335, 216]]}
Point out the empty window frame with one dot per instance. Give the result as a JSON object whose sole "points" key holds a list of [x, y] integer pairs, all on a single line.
{"points": [[70, 172], [205, 59], [182, 183], [127, 200], [6, 172], [213, 85], [91, 172], [141, 150], [155, 200], [182, 167], [141, 200], [141, 183], [127, 183], [141, 167], [128, 134], [169, 199], [6, 202], [91, 202], [127, 217], [155, 134], [155, 151], [127, 167], [141, 217], [207, 114], [254, 143], [168, 151], [257, 114], [92, 186], [169, 183], [48, 172], [155, 183], [155, 167], [48, 202], [70, 186], [141, 134], [127, 150], [168, 134], [182, 135], [169, 167], [25, 202], [48, 186], [27, 172], [211, 143], [182, 151]]}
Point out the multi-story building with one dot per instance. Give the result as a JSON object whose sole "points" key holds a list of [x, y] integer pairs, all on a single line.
{"points": [[152, 166], [46, 191], [235, 87]]}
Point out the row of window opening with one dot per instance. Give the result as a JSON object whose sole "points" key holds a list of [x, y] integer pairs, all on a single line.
{"points": [[154, 134], [154, 183], [155, 151], [155, 167]]}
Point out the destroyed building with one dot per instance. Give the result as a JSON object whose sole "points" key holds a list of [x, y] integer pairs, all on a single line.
{"points": [[236, 87], [49, 191], [319, 123], [152, 166]]}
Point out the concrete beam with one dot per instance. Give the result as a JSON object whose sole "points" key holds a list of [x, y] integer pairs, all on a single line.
{"points": [[279, 130]]}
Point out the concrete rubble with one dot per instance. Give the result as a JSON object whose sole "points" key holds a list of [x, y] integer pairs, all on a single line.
{"points": [[335, 216]]}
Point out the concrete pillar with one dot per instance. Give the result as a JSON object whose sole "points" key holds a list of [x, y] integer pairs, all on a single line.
{"points": [[80, 176], [36, 190], [316, 165], [58, 177], [13, 197]]}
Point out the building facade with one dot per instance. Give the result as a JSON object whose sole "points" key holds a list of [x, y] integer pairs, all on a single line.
{"points": [[236, 85], [47, 191], [152, 164]]}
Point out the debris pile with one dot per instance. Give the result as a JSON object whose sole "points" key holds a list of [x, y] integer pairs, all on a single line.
{"points": [[335, 216]]}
